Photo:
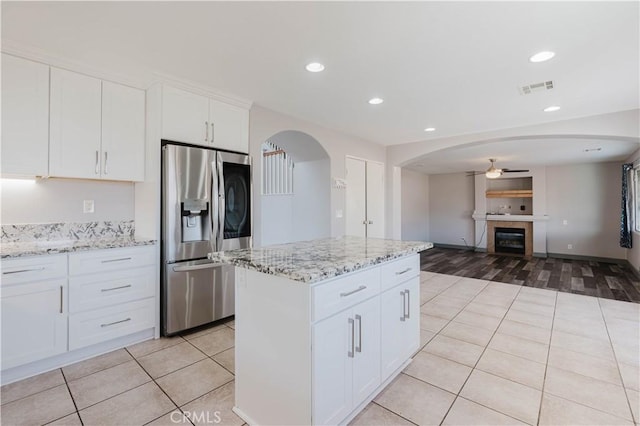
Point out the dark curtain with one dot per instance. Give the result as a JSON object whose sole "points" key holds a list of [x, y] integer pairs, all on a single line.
{"points": [[625, 222]]}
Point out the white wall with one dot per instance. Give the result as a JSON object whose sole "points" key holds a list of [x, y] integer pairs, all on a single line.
{"points": [[451, 204], [415, 206], [61, 200], [588, 197], [276, 219], [265, 123]]}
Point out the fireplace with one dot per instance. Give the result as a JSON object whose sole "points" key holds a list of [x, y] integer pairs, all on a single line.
{"points": [[510, 240]]}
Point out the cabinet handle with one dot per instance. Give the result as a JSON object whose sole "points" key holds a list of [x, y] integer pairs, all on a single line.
{"points": [[364, 222], [23, 270], [115, 322], [359, 347], [213, 134], [106, 159], [97, 162], [351, 323], [115, 288], [404, 306], [116, 260], [403, 272], [61, 298], [370, 222], [408, 293], [206, 131], [349, 293]]}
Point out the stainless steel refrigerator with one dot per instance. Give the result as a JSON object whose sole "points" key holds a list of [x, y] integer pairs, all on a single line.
{"points": [[206, 207]]}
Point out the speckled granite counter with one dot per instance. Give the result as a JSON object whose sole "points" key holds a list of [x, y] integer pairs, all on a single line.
{"points": [[317, 260], [36, 248]]}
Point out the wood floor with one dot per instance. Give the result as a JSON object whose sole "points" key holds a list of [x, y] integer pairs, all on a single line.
{"points": [[606, 280]]}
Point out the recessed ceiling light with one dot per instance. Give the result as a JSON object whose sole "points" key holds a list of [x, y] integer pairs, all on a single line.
{"points": [[542, 56], [551, 108], [376, 101], [430, 129], [315, 67]]}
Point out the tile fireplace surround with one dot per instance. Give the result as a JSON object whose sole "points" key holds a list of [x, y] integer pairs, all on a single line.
{"points": [[528, 234]]}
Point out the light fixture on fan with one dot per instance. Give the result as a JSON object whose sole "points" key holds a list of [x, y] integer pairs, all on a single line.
{"points": [[493, 172]]}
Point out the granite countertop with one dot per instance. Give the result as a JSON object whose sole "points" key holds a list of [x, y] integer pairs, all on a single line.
{"points": [[36, 248], [317, 260]]}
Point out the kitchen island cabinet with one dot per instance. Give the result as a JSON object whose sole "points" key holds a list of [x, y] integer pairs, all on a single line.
{"points": [[322, 326]]}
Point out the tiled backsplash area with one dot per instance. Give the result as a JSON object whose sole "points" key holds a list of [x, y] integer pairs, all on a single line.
{"points": [[66, 231]]}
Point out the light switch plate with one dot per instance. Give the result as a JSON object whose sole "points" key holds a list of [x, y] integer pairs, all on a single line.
{"points": [[88, 206]]}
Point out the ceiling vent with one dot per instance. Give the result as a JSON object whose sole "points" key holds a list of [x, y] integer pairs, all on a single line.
{"points": [[536, 87]]}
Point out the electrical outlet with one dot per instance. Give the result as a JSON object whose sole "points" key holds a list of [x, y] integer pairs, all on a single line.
{"points": [[88, 206], [570, 246]]}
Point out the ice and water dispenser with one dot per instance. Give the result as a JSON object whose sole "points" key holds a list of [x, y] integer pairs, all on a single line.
{"points": [[195, 219]]}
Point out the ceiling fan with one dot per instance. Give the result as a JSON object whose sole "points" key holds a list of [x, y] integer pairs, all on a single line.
{"points": [[493, 172]]}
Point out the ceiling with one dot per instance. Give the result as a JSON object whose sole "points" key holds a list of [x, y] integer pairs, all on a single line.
{"points": [[523, 154], [455, 66]]}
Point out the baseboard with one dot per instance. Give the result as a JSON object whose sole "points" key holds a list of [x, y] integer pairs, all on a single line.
{"points": [[542, 255], [453, 246], [588, 258], [636, 273]]}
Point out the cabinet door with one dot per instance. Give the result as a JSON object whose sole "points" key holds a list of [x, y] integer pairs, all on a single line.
{"points": [[393, 328], [411, 332], [34, 322], [356, 197], [25, 117], [123, 118], [375, 200], [185, 116], [75, 125], [366, 362], [229, 126], [333, 341]]}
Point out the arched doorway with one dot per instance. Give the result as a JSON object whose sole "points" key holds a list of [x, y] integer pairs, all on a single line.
{"points": [[295, 188]]}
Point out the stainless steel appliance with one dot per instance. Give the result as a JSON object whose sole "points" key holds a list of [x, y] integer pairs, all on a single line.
{"points": [[206, 207]]}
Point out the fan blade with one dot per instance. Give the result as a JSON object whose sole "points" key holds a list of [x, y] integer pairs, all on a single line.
{"points": [[470, 173], [514, 171]]}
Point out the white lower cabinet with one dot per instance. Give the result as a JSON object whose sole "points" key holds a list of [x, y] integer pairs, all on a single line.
{"points": [[33, 309], [400, 321]]}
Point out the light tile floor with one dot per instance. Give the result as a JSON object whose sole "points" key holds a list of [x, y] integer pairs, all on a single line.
{"points": [[491, 354]]}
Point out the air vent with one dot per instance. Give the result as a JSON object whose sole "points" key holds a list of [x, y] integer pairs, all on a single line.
{"points": [[536, 87]]}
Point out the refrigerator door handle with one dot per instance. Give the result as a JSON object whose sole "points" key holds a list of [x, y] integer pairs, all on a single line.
{"points": [[221, 201], [213, 219], [197, 267]]}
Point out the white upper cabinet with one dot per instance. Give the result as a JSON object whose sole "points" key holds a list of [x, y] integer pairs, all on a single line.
{"points": [[25, 117], [96, 128], [229, 126], [123, 127], [75, 125], [185, 116], [196, 119]]}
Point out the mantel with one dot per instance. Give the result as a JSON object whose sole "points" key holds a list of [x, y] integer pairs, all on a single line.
{"points": [[510, 217]]}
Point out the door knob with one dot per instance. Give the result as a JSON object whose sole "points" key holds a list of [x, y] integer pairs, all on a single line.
{"points": [[370, 222], [364, 222]]}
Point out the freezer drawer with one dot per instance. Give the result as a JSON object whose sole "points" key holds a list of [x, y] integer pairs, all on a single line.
{"points": [[196, 293]]}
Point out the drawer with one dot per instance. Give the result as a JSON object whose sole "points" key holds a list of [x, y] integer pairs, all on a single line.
{"points": [[31, 269], [100, 325], [341, 293], [99, 290], [400, 270], [90, 262]]}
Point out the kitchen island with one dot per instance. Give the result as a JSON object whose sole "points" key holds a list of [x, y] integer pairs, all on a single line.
{"points": [[322, 326]]}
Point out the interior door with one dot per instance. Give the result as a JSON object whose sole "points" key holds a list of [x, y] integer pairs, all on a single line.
{"points": [[375, 200], [356, 197]]}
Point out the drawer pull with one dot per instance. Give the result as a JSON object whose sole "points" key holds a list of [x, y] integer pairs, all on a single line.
{"points": [[353, 332], [403, 272], [349, 293], [115, 288], [61, 305], [404, 307], [359, 347], [24, 270], [122, 259], [115, 322]]}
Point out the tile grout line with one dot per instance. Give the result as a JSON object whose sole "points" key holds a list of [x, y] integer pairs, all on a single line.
{"points": [[77, 412], [386, 409], [615, 357], [546, 365], [457, 395]]}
